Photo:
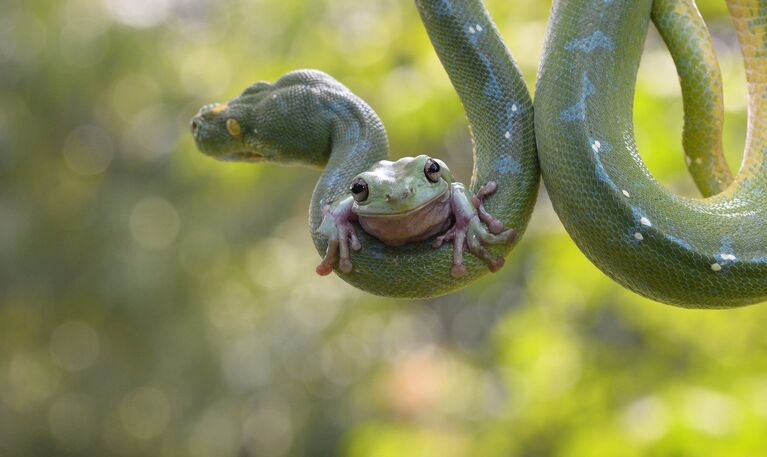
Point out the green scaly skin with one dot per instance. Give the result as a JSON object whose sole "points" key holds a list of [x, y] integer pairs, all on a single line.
{"points": [[682, 28], [698, 253], [688, 252], [309, 118]]}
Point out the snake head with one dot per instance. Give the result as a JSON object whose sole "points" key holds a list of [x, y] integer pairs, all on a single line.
{"points": [[229, 131], [282, 122]]}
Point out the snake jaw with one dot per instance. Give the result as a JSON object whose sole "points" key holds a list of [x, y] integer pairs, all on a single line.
{"points": [[241, 156]]}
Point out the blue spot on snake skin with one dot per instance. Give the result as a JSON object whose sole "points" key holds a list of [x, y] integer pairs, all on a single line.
{"points": [[638, 214], [340, 108], [514, 109], [577, 112], [598, 148], [507, 165], [603, 10], [473, 32], [444, 8], [492, 86], [360, 147], [680, 242], [636, 234], [353, 131], [603, 176], [333, 178], [591, 43], [376, 251], [726, 252]]}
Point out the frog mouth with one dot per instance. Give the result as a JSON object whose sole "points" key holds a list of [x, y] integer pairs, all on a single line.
{"points": [[439, 198]]}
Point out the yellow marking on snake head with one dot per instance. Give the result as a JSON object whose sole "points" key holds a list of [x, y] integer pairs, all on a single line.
{"points": [[220, 107], [233, 127]]}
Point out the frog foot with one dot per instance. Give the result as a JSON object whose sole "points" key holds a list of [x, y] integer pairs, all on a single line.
{"points": [[337, 227], [493, 225], [474, 228]]}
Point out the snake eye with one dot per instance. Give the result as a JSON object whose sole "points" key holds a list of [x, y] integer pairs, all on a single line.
{"points": [[359, 190], [431, 170], [233, 127]]}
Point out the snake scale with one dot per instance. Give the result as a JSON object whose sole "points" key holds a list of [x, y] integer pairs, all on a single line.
{"points": [[708, 252], [690, 252]]}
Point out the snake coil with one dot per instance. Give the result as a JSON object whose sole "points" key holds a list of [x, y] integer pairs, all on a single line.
{"points": [[709, 252]]}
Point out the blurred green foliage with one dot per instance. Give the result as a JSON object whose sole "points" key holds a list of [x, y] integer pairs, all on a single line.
{"points": [[155, 302]]}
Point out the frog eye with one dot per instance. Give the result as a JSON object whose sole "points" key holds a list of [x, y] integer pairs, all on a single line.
{"points": [[359, 190], [432, 170]]}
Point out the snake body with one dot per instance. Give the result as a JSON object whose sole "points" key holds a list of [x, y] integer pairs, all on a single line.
{"points": [[709, 252], [690, 252], [500, 114], [309, 118]]}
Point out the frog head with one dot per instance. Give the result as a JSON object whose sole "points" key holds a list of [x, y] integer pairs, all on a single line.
{"points": [[401, 186], [403, 201]]}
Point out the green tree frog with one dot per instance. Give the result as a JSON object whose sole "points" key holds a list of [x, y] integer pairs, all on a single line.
{"points": [[413, 199]]}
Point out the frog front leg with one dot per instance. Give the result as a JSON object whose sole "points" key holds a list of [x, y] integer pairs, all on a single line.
{"points": [[337, 227], [474, 228]]}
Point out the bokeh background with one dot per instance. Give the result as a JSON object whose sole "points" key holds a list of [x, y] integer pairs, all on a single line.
{"points": [[156, 302]]}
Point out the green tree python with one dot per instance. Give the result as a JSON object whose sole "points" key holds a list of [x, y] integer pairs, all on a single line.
{"points": [[688, 252]]}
